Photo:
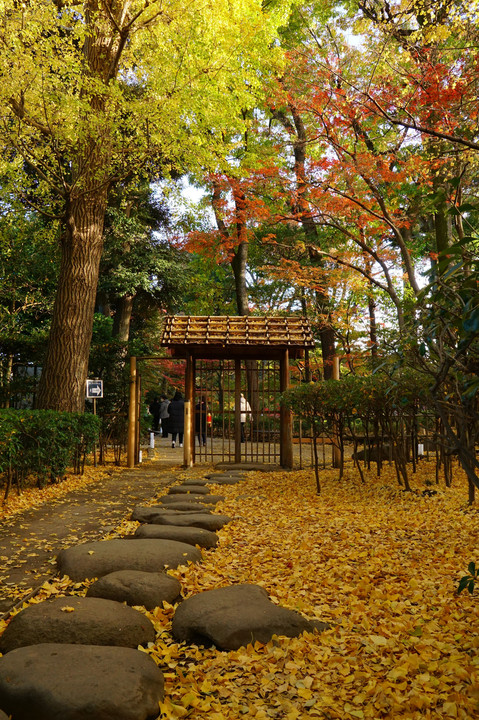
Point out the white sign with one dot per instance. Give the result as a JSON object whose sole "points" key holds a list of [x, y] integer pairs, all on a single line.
{"points": [[94, 389]]}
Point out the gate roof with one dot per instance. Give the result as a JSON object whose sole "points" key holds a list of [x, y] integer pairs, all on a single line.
{"points": [[227, 336]]}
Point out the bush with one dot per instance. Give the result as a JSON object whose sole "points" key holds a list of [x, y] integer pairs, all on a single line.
{"points": [[377, 407], [43, 443]]}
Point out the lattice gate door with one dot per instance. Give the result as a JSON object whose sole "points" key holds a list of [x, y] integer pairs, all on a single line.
{"points": [[219, 383]]}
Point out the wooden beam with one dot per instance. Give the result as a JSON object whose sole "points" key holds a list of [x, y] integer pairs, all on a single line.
{"points": [[237, 411], [132, 415], [286, 417], [138, 418], [335, 447], [189, 434]]}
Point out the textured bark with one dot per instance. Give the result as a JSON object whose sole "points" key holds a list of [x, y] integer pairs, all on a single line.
{"points": [[443, 230], [62, 384], [122, 318]]}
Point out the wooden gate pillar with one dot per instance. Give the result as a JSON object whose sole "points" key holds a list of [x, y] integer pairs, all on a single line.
{"points": [[189, 434], [138, 418], [237, 424], [131, 460], [335, 447], [286, 417]]}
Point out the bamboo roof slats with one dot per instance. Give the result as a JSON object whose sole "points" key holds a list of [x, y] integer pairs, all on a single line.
{"points": [[250, 335]]}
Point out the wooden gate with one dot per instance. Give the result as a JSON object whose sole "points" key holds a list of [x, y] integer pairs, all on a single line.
{"points": [[227, 357], [237, 411]]}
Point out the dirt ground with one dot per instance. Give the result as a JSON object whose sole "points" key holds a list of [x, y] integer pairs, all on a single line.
{"points": [[30, 540]]}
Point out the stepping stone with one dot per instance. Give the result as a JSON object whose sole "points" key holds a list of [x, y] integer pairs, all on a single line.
{"points": [[79, 621], [195, 481], [148, 514], [222, 475], [203, 499], [225, 480], [187, 505], [199, 520], [192, 535], [233, 616], [79, 682], [184, 489], [95, 559], [143, 514], [135, 587]]}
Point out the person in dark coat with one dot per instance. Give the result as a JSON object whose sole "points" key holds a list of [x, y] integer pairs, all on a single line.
{"points": [[155, 411], [176, 421], [200, 421]]}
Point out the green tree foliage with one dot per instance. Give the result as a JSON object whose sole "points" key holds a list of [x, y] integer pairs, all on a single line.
{"points": [[28, 276], [448, 350], [140, 270]]}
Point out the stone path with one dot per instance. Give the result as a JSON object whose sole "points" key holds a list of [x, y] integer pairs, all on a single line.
{"points": [[98, 633], [30, 541]]}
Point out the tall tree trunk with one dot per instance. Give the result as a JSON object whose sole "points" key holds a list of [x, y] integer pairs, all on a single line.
{"points": [[238, 265], [122, 318], [301, 208], [443, 230], [240, 257], [373, 336], [62, 383], [7, 379]]}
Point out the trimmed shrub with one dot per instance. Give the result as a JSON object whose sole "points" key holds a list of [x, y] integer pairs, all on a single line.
{"points": [[43, 443]]}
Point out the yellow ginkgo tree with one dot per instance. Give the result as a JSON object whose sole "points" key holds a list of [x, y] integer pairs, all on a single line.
{"points": [[98, 91]]}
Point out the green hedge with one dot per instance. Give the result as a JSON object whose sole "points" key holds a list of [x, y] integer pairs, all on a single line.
{"points": [[376, 406], [43, 443]]}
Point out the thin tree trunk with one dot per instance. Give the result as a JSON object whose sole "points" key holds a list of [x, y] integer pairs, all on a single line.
{"points": [[238, 265], [373, 336], [326, 331], [8, 375], [103, 303]]}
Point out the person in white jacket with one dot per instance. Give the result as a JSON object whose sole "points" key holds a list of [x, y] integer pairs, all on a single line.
{"points": [[245, 414]]}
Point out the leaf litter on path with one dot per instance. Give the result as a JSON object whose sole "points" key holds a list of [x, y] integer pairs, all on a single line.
{"points": [[380, 565]]}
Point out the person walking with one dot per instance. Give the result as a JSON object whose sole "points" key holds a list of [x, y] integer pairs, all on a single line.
{"points": [[176, 420], [245, 414], [200, 421], [154, 410], [164, 415]]}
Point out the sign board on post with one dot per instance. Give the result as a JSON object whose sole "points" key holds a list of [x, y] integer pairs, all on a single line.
{"points": [[94, 389]]}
